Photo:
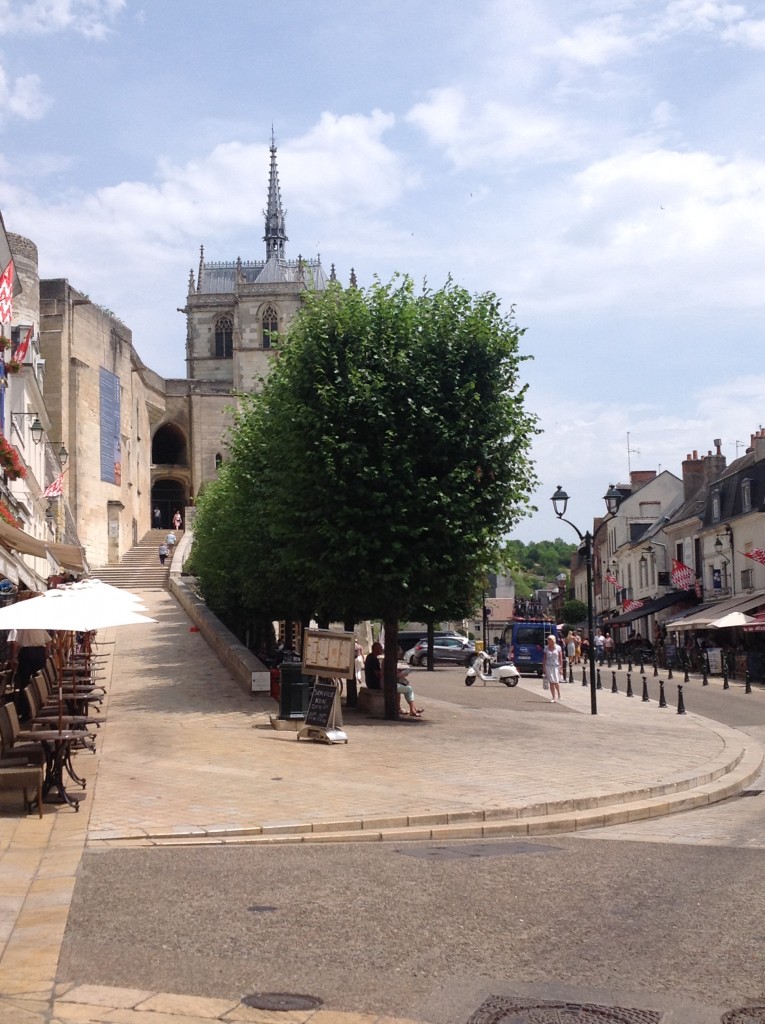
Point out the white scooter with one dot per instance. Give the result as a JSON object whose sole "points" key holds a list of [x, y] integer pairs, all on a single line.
{"points": [[481, 668]]}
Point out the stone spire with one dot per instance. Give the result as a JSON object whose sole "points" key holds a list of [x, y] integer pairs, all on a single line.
{"points": [[275, 235]]}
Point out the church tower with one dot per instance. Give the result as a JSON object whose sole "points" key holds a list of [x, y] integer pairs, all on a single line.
{"points": [[235, 312]]}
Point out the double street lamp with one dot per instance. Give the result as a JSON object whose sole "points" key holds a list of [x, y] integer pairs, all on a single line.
{"points": [[613, 500]]}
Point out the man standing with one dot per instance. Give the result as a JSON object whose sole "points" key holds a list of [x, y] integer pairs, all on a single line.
{"points": [[29, 652], [157, 519]]}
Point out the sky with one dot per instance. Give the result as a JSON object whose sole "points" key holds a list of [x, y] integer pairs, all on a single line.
{"points": [[599, 165]]}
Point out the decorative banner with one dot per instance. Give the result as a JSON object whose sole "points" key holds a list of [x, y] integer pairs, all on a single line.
{"points": [[612, 579], [21, 352], [56, 489], [6, 294], [683, 577], [757, 554], [631, 606]]}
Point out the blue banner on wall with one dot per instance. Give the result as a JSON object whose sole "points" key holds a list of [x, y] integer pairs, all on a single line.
{"points": [[111, 449]]}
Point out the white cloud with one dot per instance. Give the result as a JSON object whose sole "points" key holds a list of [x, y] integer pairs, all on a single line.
{"points": [[593, 43], [492, 133], [90, 18], [747, 33], [23, 98]]}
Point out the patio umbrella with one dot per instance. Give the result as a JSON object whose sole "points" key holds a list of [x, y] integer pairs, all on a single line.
{"points": [[730, 620], [69, 611]]}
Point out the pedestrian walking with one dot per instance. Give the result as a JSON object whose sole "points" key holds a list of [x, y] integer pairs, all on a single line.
{"points": [[553, 667], [170, 542], [177, 521], [163, 552]]}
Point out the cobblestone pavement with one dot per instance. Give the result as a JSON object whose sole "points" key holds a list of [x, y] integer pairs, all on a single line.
{"points": [[187, 757]]}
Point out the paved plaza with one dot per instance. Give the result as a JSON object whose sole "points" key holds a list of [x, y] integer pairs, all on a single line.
{"points": [[187, 758]]}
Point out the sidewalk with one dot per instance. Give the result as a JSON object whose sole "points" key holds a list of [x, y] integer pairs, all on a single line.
{"points": [[187, 757]]}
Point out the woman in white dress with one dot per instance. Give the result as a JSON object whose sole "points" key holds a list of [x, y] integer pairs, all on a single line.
{"points": [[553, 666]]}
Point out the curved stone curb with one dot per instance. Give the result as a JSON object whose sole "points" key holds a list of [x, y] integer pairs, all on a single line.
{"points": [[719, 780]]}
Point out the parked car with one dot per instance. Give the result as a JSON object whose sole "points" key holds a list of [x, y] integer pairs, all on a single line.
{"points": [[445, 648], [408, 638]]}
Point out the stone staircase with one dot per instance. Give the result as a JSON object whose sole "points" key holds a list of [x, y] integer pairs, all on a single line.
{"points": [[139, 568]]}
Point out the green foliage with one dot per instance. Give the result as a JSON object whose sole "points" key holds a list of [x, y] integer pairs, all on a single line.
{"points": [[574, 610], [535, 564], [382, 463]]}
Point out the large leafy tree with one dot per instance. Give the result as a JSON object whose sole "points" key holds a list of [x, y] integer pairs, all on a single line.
{"points": [[389, 453]]}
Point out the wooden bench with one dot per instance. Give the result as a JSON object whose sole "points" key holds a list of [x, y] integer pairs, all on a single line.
{"points": [[371, 702], [25, 777]]}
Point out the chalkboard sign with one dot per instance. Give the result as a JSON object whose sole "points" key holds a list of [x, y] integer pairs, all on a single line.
{"points": [[320, 708]]}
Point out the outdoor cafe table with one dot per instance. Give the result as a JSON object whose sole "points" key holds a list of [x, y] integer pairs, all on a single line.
{"points": [[57, 744]]}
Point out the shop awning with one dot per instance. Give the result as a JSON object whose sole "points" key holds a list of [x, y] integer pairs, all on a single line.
{"points": [[68, 556], [708, 613], [651, 607]]}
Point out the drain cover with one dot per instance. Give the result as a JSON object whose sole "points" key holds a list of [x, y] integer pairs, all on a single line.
{"points": [[464, 850], [506, 1010], [281, 1001], [746, 1015]]}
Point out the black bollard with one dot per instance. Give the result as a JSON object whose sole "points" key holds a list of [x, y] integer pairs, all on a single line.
{"points": [[704, 677], [655, 666], [629, 686], [726, 684], [680, 702], [748, 687], [584, 676], [685, 676], [598, 684], [570, 672], [618, 661], [642, 666], [614, 687], [662, 698], [669, 672], [646, 698], [629, 663]]}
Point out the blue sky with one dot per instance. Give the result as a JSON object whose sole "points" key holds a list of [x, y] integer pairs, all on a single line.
{"points": [[600, 166]]}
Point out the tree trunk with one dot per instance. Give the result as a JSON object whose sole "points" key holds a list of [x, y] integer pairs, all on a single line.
{"points": [[390, 663]]}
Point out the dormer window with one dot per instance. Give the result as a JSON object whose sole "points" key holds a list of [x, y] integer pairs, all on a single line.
{"points": [[746, 495], [224, 338], [270, 327], [715, 506]]}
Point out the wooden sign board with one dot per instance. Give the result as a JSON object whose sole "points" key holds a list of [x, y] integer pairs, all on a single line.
{"points": [[329, 654], [320, 706]]}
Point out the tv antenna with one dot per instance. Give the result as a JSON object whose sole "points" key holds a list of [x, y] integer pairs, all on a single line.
{"points": [[739, 444], [630, 451]]}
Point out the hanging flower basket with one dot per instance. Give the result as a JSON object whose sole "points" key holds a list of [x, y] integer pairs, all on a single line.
{"points": [[10, 461], [8, 516], [12, 366], [4, 342]]}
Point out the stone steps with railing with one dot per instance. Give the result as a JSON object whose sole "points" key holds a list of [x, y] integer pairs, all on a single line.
{"points": [[139, 568]]}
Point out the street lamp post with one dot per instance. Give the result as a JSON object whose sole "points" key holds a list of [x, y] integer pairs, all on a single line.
{"points": [[613, 500]]}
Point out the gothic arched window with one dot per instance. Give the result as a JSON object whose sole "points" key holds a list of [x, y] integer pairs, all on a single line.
{"points": [[218, 461], [224, 337], [270, 326]]}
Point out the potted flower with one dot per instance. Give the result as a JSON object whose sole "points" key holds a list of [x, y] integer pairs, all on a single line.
{"points": [[8, 516], [4, 342], [12, 366], [10, 461]]}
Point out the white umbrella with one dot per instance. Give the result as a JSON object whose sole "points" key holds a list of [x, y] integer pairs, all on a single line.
{"points": [[730, 620], [72, 611]]}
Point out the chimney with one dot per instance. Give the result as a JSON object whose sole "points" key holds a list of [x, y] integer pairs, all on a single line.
{"points": [[758, 443], [641, 477], [714, 465], [693, 475]]}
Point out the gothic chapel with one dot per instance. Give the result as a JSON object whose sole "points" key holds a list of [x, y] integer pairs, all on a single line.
{"points": [[235, 311]]}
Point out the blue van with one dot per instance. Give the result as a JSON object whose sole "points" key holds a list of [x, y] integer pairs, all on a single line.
{"points": [[526, 641]]}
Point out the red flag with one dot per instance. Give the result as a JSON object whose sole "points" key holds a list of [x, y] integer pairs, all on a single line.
{"points": [[56, 489], [758, 554], [631, 606], [612, 579], [6, 294], [683, 577], [21, 352]]}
